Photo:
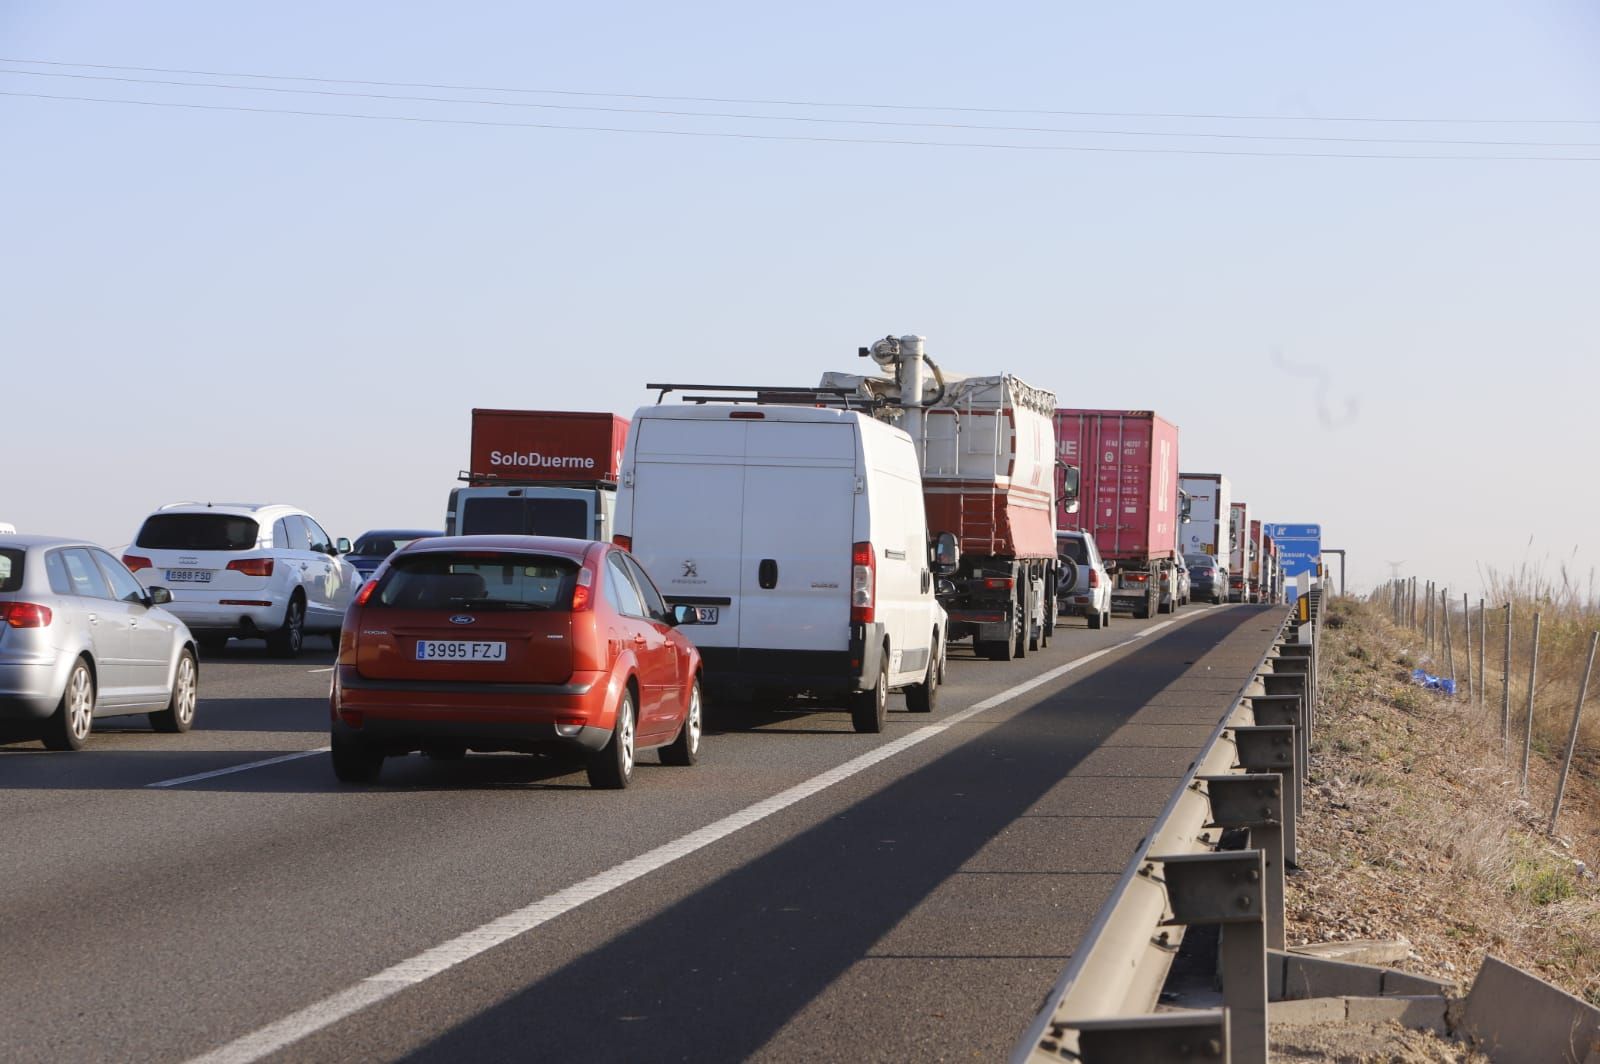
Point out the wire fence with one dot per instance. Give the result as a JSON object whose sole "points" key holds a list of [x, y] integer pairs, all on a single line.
{"points": [[1527, 660]]}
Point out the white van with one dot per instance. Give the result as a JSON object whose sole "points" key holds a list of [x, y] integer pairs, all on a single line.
{"points": [[801, 533]]}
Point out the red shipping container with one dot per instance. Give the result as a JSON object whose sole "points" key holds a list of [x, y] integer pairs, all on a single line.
{"points": [[545, 446], [1128, 489]]}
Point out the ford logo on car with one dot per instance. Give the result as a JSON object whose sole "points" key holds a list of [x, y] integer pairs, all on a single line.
{"points": [[462, 618]]}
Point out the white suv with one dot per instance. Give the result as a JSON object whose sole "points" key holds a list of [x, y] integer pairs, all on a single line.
{"points": [[246, 570], [1083, 589]]}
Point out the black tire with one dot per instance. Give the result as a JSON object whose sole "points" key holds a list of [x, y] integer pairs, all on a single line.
{"points": [[287, 641], [178, 717], [1216, 600], [924, 697], [1021, 633], [354, 761], [869, 709], [611, 768], [1035, 629], [69, 726], [685, 749], [1106, 622], [212, 646], [333, 638], [1096, 619]]}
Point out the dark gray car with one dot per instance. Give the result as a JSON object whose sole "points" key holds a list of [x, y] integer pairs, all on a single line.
{"points": [[80, 638]]}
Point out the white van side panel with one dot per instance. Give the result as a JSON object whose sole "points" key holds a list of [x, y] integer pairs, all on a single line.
{"points": [[898, 532]]}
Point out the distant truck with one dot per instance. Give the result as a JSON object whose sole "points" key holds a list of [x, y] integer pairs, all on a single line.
{"points": [[1131, 503], [1207, 531], [987, 451], [1271, 570], [1239, 558], [1254, 582], [539, 473]]}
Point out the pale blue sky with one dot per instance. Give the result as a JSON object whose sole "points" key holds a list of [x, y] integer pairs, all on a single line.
{"points": [[213, 304]]}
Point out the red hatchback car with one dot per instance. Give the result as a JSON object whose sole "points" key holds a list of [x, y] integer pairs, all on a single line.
{"points": [[525, 643]]}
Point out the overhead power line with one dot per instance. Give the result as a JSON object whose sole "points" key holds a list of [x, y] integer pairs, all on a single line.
{"points": [[1180, 115], [735, 135], [813, 119]]}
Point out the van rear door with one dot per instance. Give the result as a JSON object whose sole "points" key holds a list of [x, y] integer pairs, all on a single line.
{"points": [[688, 506], [799, 513]]}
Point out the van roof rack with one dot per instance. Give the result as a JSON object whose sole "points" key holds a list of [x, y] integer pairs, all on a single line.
{"points": [[780, 395]]}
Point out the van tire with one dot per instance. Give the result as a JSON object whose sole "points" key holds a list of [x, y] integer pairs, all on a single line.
{"points": [[924, 697], [869, 709]]}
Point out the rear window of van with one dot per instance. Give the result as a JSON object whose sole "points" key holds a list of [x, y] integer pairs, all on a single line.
{"points": [[199, 532], [477, 580]]}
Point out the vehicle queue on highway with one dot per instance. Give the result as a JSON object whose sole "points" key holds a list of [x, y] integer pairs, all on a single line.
{"points": [[601, 582]]}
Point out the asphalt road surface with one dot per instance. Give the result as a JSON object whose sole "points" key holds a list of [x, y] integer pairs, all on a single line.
{"points": [[803, 893]]}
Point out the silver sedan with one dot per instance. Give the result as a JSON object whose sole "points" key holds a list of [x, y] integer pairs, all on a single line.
{"points": [[80, 638]]}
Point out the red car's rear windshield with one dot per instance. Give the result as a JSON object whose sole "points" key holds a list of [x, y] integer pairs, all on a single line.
{"points": [[479, 580]]}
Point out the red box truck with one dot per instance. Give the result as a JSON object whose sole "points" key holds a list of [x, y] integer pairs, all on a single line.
{"points": [[540, 473]]}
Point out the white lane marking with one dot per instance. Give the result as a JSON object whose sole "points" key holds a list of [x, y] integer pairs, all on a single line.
{"points": [[315, 671], [239, 768], [441, 958]]}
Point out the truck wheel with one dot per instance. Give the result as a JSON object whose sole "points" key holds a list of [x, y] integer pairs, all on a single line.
{"points": [[924, 697], [869, 709], [1020, 634]]}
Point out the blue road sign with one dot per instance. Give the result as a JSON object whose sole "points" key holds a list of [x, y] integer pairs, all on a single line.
{"points": [[1299, 547]]}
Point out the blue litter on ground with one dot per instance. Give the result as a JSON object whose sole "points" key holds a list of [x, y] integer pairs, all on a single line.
{"points": [[1432, 682]]}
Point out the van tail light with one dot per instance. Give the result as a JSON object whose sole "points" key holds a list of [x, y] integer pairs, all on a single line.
{"points": [[863, 583], [625, 542], [1094, 578], [25, 614], [366, 592], [135, 562], [583, 591], [252, 566]]}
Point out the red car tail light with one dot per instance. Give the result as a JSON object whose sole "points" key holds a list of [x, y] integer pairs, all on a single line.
{"points": [[366, 592], [25, 614], [863, 583], [252, 566], [583, 591], [135, 562], [1094, 578], [998, 583]]}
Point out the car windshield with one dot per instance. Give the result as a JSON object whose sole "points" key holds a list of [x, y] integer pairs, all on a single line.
{"points": [[199, 532], [1074, 548], [11, 568], [520, 516], [381, 545], [479, 580], [1203, 560]]}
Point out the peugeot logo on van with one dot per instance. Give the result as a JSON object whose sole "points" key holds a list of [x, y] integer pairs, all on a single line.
{"points": [[690, 571], [462, 618]]}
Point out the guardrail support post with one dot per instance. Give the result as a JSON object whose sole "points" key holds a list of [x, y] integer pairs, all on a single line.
{"points": [[1226, 888], [1271, 748], [1299, 685], [1254, 801], [1159, 1037]]}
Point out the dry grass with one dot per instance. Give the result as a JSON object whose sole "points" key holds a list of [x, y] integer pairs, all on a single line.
{"points": [[1416, 827]]}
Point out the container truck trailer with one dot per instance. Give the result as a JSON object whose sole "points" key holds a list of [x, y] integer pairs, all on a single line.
{"points": [[987, 452], [539, 473], [1239, 556], [1253, 564], [1129, 478]]}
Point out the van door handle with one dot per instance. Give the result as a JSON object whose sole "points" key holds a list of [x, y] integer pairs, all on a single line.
{"points": [[767, 573]]}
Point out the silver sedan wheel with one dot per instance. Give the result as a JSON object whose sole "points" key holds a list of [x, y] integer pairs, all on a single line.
{"points": [[184, 691], [80, 702]]}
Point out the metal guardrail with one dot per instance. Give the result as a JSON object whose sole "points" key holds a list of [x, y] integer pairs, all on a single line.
{"points": [[1249, 775]]}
